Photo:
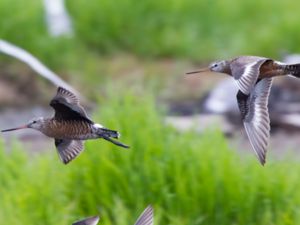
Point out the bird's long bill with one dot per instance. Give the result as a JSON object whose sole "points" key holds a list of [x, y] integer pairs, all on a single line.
{"points": [[17, 128], [198, 71]]}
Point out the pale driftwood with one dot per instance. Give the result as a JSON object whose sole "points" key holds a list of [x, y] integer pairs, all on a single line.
{"points": [[35, 64]]}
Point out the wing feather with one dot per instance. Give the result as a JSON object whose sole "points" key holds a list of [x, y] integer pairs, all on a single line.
{"points": [[146, 218], [67, 107], [246, 73], [256, 117], [88, 221], [68, 149]]}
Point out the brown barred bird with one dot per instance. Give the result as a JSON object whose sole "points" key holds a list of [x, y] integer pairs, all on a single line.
{"points": [[253, 76], [70, 126]]}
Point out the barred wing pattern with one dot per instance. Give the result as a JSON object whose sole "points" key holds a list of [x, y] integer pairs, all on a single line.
{"points": [[256, 117], [88, 221], [67, 107], [247, 72], [68, 149], [146, 218]]}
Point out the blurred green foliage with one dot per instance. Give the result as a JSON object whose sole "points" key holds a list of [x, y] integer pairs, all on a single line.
{"points": [[23, 24], [188, 28], [189, 178], [197, 30], [191, 29]]}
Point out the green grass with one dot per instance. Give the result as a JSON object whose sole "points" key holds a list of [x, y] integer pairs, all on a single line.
{"points": [[198, 30], [189, 178], [195, 30], [23, 23]]}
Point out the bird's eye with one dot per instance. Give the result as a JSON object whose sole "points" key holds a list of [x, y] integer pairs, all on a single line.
{"points": [[34, 121], [215, 65]]}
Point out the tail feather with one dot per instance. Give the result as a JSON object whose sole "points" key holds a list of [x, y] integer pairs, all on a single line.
{"points": [[293, 69], [108, 134], [115, 142]]}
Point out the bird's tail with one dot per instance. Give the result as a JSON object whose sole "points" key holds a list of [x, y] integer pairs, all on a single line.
{"points": [[293, 69], [108, 134]]}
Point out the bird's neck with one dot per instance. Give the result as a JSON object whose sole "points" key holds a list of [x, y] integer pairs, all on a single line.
{"points": [[226, 68], [45, 124]]}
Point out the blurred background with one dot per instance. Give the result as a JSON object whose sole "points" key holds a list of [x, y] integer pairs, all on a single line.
{"points": [[189, 156]]}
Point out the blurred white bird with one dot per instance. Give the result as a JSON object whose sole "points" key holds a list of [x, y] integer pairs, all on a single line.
{"points": [[57, 18]]}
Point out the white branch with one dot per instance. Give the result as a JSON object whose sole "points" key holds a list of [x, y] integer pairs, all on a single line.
{"points": [[34, 63]]}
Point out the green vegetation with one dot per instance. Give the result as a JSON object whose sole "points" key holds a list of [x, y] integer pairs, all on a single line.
{"points": [[23, 23], [189, 178], [197, 30]]}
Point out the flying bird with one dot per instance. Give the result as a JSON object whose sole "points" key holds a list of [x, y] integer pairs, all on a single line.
{"points": [[70, 126], [253, 75], [146, 218]]}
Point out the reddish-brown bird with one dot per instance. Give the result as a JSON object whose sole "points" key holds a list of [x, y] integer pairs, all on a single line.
{"points": [[70, 126], [253, 75]]}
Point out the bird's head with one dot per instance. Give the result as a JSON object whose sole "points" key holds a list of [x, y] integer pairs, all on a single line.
{"points": [[218, 66], [36, 124]]}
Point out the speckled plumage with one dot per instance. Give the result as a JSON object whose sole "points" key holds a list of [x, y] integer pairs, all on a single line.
{"points": [[69, 129], [70, 126]]}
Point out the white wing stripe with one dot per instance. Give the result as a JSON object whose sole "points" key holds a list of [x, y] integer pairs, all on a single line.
{"points": [[247, 80]]}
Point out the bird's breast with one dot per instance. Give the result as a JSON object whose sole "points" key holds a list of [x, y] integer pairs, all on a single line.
{"points": [[63, 129]]}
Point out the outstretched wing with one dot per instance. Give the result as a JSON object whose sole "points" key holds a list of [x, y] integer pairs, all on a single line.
{"points": [[146, 218], [255, 115], [67, 107], [245, 70], [88, 221], [68, 149]]}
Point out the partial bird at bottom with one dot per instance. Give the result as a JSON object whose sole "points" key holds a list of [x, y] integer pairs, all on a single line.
{"points": [[146, 218]]}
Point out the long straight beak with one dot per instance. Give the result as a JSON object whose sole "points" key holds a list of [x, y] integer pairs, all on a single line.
{"points": [[17, 128], [198, 71]]}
